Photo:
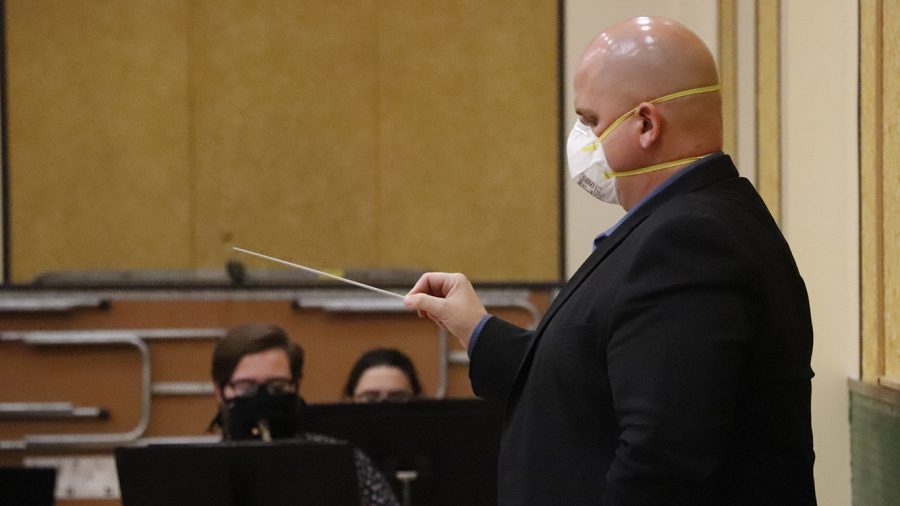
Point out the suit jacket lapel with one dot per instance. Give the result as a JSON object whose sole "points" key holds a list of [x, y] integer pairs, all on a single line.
{"points": [[708, 172], [605, 247]]}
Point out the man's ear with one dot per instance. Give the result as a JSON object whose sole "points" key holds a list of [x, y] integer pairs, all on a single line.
{"points": [[218, 391], [651, 123]]}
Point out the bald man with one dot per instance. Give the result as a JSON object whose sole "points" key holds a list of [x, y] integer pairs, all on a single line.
{"points": [[673, 368]]}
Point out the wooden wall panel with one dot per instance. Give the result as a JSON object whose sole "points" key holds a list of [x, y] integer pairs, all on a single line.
{"points": [[880, 191], [158, 133], [284, 105], [768, 104], [891, 186], [871, 184], [469, 137], [109, 376], [97, 135], [728, 62]]}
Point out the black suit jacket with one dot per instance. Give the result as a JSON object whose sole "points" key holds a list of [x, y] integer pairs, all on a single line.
{"points": [[673, 368]]}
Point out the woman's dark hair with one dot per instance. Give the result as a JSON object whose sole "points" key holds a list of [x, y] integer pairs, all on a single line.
{"points": [[381, 357], [253, 338]]}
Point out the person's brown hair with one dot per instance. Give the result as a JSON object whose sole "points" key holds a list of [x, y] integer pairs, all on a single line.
{"points": [[380, 357], [253, 338]]}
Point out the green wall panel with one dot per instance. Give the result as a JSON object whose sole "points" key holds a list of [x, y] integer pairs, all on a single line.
{"points": [[875, 446]]}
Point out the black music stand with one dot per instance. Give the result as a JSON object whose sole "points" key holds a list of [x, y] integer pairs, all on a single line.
{"points": [[287, 473], [451, 445], [27, 486]]}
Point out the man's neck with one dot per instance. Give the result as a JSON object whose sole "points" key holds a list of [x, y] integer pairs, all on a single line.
{"points": [[648, 183]]}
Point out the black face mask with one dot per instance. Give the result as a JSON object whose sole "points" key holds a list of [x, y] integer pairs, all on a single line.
{"points": [[262, 416]]}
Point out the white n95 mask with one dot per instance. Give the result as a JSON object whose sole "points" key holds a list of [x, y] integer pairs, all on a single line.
{"points": [[588, 165]]}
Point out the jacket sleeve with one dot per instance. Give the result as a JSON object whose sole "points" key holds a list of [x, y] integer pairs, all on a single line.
{"points": [[680, 329], [496, 358]]}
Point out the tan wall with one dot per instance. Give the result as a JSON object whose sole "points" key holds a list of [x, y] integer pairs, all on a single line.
{"points": [[820, 218], [158, 133]]}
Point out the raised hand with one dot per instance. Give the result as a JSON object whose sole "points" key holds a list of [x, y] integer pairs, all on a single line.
{"points": [[449, 300]]}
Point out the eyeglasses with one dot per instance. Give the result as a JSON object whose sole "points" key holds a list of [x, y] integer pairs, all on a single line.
{"points": [[247, 388], [377, 396]]}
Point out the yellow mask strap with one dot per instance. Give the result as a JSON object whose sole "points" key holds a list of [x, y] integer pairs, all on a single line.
{"points": [[685, 93], [652, 168], [664, 98]]}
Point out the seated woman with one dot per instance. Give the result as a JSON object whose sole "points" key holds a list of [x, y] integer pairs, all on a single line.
{"points": [[383, 375]]}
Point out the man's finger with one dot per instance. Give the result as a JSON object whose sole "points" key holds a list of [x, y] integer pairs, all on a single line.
{"points": [[421, 286], [429, 283]]}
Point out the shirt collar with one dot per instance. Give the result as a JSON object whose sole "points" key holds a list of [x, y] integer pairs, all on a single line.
{"points": [[665, 184]]}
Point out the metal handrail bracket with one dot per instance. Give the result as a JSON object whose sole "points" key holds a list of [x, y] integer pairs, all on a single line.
{"points": [[51, 304], [24, 410]]}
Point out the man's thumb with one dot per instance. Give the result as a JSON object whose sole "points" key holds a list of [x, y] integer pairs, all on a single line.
{"points": [[423, 302]]}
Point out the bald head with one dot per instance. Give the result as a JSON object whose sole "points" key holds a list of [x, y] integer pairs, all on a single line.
{"points": [[628, 66], [648, 57]]}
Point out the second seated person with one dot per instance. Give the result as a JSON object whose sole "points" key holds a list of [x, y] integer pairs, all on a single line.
{"points": [[257, 369], [383, 375]]}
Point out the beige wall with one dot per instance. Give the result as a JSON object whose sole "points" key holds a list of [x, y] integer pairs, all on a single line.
{"points": [[820, 211]]}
